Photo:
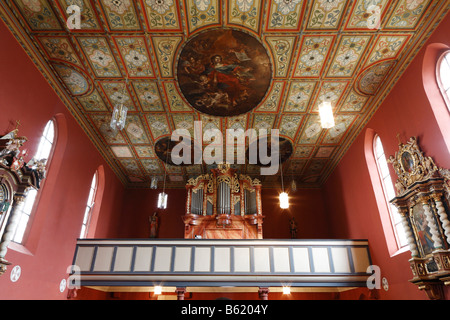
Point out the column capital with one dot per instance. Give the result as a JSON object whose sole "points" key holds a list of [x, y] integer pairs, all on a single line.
{"points": [[19, 198]]}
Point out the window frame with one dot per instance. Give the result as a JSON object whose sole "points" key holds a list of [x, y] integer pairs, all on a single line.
{"points": [[444, 57], [394, 224], [30, 215], [87, 217]]}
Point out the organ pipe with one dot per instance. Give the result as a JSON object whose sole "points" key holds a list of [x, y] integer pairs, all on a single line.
{"points": [[227, 188]]}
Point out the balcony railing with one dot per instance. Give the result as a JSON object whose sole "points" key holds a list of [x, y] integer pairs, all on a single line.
{"points": [[212, 263]]}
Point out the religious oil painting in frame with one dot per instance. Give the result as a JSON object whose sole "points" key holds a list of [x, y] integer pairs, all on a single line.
{"points": [[224, 72], [422, 229], [407, 162]]}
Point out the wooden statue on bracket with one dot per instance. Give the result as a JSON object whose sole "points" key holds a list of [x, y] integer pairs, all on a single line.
{"points": [[423, 202], [293, 228], [154, 225]]}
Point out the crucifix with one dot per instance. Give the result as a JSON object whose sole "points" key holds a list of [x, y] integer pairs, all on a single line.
{"points": [[398, 138]]}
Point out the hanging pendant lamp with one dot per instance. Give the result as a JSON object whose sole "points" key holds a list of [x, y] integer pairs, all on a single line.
{"points": [[162, 197], [119, 116], [326, 115], [284, 197]]}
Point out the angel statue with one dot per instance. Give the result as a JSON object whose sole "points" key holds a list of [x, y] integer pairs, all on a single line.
{"points": [[38, 169], [10, 145]]}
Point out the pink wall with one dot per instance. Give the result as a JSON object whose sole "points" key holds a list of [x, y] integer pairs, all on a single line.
{"points": [[350, 196], [26, 96], [307, 208]]}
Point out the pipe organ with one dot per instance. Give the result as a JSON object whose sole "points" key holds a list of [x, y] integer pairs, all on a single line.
{"points": [[223, 205]]}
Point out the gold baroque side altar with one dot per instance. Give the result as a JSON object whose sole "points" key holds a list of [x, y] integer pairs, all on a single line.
{"points": [[16, 178], [423, 193], [223, 205]]}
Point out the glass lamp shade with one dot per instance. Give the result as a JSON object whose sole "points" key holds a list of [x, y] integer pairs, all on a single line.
{"points": [[293, 186], [326, 115], [284, 200], [162, 200], [119, 117], [154, 183]]}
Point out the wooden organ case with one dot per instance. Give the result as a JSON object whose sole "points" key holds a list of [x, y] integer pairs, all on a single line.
{"points": [[423, 202], [223, 205]]}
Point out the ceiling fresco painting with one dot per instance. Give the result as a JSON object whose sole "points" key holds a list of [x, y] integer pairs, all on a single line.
{"points": [[224, 72], [236, 64]]}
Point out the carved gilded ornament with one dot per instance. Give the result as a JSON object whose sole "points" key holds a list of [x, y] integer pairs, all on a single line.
{"points": [[411, 165], [195, 181], [225, 179], [420, 200], [446, 174], [251, 182], [235, 188]]}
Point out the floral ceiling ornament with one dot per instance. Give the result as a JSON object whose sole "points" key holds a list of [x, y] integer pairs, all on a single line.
{"points": [[161, 6], [202, 5], [291, 125], [287, 6], [150, 97], [329, 5], [374, 18], [328, 96], [313, 130], [347, 57], [159, 125], [101, 58], [413, 4], [119, 97], [33, 5], [312, 58], [298, 97], [136, 58], [244, 5], [118, 6]]}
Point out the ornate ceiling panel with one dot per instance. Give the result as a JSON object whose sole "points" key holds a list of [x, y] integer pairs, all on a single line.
{"points": [[348, 52]]}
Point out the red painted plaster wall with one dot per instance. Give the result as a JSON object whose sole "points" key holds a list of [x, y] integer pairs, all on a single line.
{"points": [[351, 202], [306, 206], [26, 96]]}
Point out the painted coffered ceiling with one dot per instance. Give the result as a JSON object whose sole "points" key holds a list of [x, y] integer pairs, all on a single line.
{"points": [[137, 52]]}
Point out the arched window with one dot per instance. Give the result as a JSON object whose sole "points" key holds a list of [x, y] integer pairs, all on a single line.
{"points": [[436, 82], [43, 152], [389, 193], [89, 207], [444, 77]]}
